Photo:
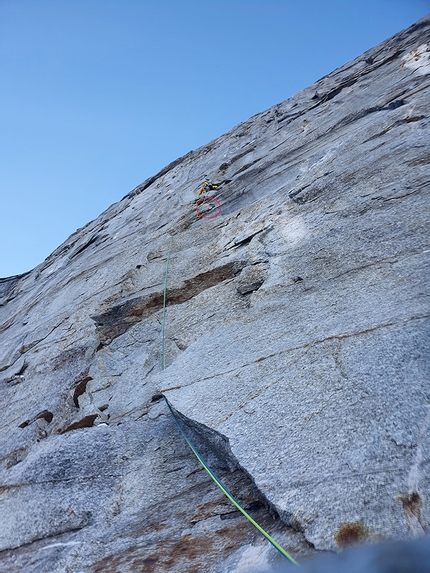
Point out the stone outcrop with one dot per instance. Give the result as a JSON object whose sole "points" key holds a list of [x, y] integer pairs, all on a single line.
{"points": [[296, 345]]}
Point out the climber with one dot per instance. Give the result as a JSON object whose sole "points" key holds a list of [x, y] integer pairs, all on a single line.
{"points": [[208, 186]]}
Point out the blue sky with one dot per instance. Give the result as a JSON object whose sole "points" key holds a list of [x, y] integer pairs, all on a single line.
{"points": [[98, 95]]}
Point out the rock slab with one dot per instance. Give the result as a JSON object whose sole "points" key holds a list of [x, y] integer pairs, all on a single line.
{"points": [[296, 345]]}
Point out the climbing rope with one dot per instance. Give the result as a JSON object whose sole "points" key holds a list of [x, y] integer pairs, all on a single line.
{"points": [[163, 354], [193, 449]]}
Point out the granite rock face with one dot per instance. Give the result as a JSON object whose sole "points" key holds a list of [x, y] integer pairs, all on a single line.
{"points": [[296, 345]]}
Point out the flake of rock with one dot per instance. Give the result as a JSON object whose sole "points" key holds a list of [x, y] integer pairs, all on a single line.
{"points": [[251, 278]]}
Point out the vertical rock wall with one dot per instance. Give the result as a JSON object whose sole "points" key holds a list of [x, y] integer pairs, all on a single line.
{"points": [[296, 345]]}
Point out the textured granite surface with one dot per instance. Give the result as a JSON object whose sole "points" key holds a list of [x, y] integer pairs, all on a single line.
{"points": [[296, 345]]}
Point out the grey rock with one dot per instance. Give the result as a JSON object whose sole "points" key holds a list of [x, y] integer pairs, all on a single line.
{"points": [[252, 278], [296, 346]]}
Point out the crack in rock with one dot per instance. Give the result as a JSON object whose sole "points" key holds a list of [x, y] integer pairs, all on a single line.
{"points": [[119, 318], [218, 443]]}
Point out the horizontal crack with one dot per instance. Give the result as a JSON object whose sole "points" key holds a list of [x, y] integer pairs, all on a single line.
{"points": [[302, 346], [26, 347], [70, 529], [344, 475], [356, 269], [6, 487]]}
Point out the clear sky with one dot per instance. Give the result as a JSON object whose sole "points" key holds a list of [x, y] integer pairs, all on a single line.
{"points": [[98, 95]]}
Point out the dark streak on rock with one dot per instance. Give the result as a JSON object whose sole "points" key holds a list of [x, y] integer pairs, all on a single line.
{"points": [[80, 389], [119, 318], [224, 166], [87, 422], [7, 289], [95, 239], [412, 504], [394, 125], [44, 414]]}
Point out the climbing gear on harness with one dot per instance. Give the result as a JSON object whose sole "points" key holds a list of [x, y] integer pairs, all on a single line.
{"points": [[208, 186], [193, 449]]}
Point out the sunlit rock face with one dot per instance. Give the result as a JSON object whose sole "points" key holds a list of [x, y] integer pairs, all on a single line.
{"points": [[295, 345]]}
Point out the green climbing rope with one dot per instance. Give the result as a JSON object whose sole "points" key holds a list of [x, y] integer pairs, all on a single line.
{"points": [[193, 449], [163, 354]]}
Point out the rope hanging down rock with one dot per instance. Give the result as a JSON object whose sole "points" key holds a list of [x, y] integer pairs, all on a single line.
{"points": [[193, 449]]}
